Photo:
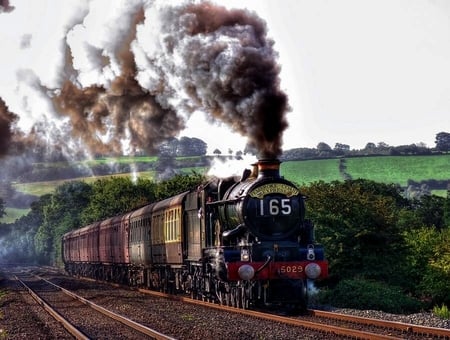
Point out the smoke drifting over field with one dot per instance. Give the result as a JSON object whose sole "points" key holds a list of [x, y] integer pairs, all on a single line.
{"points": [[132, 81]]}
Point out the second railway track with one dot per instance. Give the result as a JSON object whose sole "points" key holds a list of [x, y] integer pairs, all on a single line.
{"points": [[335, 324], [392, 328], [82, 318]]}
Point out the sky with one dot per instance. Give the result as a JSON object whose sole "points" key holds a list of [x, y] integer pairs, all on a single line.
{"points": [[354, 71]]}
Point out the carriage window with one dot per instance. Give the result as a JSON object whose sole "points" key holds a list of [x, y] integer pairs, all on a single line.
{"points": [[158, 229], [178, 236], [172, 225]]}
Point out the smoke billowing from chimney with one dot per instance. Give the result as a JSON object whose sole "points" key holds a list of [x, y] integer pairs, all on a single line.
{"points": [[220, 61], [135, 87]]}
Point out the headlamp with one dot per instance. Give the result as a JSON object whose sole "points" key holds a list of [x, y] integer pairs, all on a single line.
{"points": [[246, 272], [245, 255], [313, 271]]}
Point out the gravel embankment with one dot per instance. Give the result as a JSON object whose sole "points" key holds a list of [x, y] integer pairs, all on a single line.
{"points": [[427, 319]]}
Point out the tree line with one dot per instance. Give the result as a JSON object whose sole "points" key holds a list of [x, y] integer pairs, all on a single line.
{"points": [[323, 150], [373, 235], [187, 146]]}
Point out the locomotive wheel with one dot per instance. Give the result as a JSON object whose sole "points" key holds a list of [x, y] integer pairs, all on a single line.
{"points": [[226, 298], [227, 295], [244, 300], [236, 297], [233, 296], [302, 305], [221, 292], [229, 298], [241, 296], [196, 287]]}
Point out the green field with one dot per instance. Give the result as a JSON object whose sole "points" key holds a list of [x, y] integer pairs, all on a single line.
{"points": [[304, 172], [392, 169], [12, 214], [47, 187], [103, 160], [384, 169]]}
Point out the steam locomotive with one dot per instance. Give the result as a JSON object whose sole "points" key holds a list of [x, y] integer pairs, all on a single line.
{"points": [[242, 242]]}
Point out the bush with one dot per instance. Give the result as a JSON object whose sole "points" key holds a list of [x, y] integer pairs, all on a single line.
{"points": [[363, 294], [442, 312], [429, 262]]}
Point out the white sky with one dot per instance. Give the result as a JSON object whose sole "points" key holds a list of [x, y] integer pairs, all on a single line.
{"points": [[355, 71]]}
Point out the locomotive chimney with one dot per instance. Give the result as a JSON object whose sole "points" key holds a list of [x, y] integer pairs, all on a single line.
{"points": [[268, 168]]}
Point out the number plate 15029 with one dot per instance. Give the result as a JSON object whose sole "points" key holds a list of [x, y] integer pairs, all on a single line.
{"points": [[290, 269]]}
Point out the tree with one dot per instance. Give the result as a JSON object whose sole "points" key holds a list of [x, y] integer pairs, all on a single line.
{"points": [[60, 214], [443, 141], [324, 150], [370, 146], [447, 209], [341, 147], [430, 210], [117, 195], [383, 145], [250, 149], [356, 220], [300, 153], [429, 258], [323, 147], [178, 184], [2, 208], [19, 245], [217, 152], [191, 147], [169, 147]]}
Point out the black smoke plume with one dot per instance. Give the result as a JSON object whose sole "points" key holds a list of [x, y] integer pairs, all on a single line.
{"points": [[224, 65], [241, 90]]}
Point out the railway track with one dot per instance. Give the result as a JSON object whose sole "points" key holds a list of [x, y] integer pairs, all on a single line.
{"points": [[80, 317], [334, 323], [398, 329]]}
